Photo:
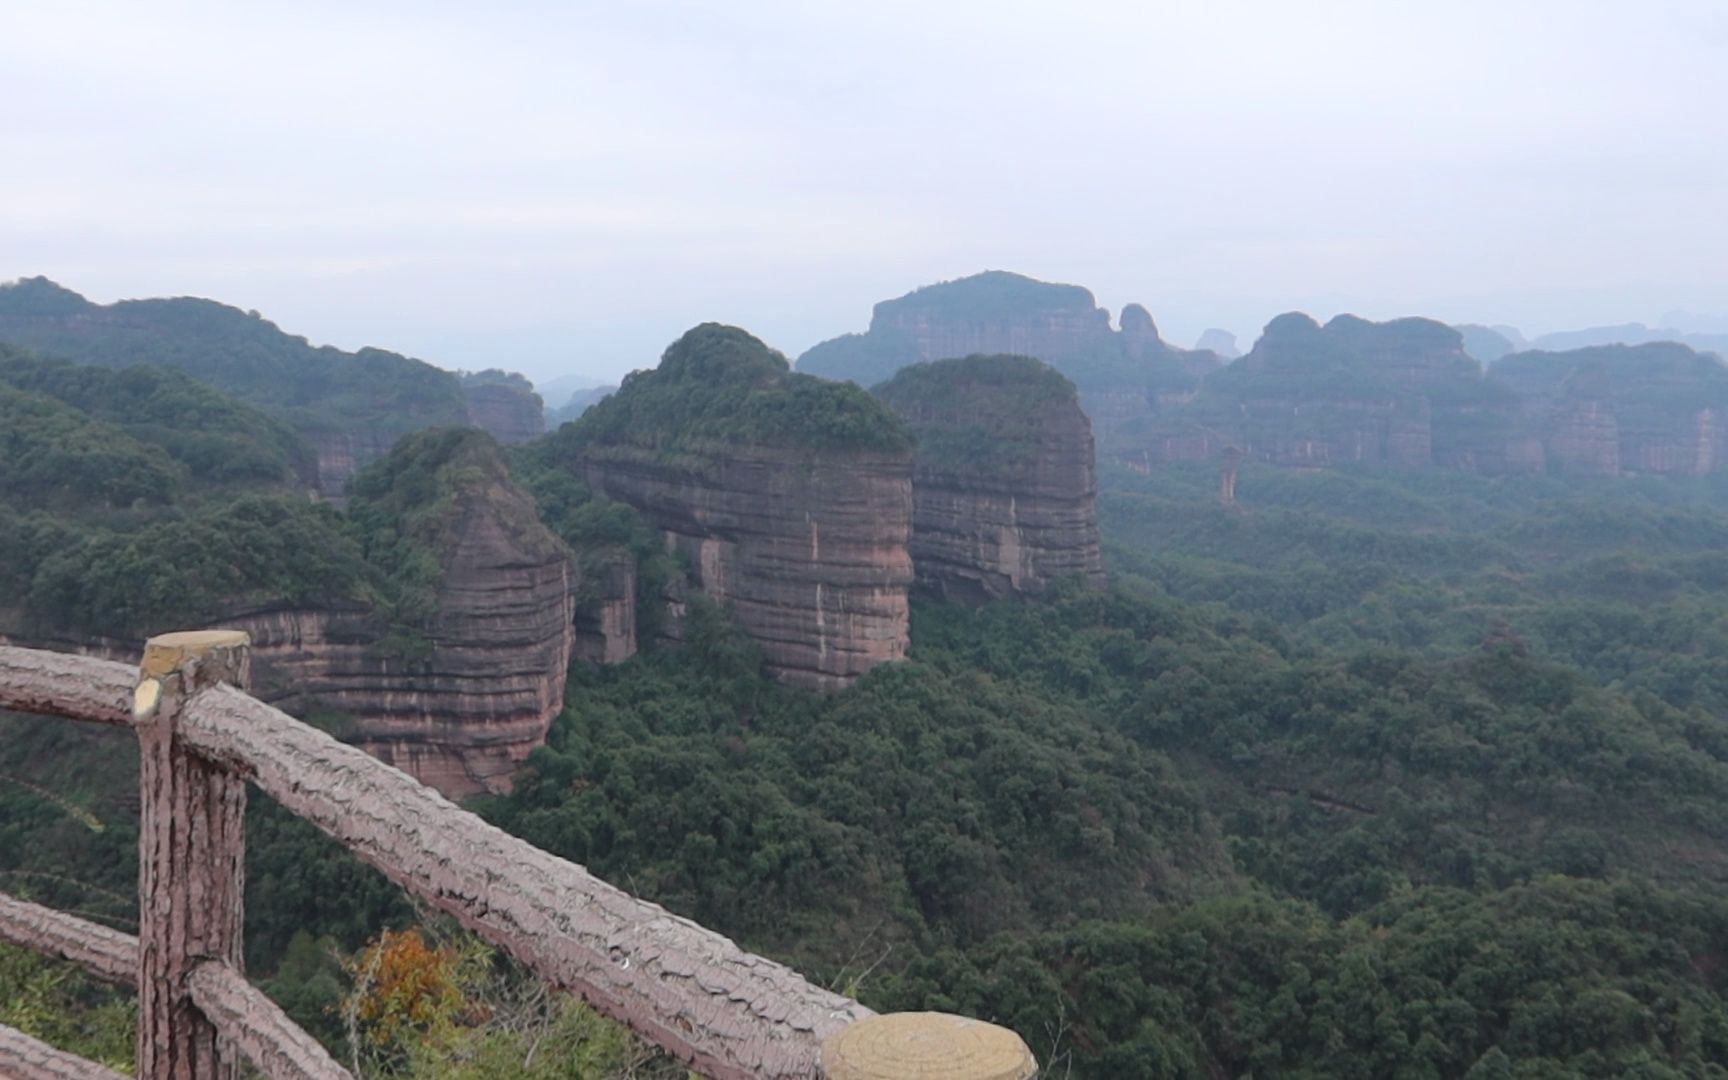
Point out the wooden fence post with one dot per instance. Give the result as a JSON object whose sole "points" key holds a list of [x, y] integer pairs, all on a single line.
{"points": [[191, 856], [926, 1046]]}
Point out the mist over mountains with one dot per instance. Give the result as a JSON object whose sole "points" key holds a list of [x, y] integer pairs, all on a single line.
{"points": [[1349, 705]]}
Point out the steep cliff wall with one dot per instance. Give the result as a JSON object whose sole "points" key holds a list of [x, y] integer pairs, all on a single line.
{"points": [[472, 672], [340, 453], [790, 499], [1121, 375], [1401, 394], [1004, 487], [1614, 409], [505, 406]]}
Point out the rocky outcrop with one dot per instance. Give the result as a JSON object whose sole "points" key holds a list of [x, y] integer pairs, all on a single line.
{"points": [[1004, 488], [470, 671], [1399, 394], [504, 405], [606, 612], [788, 498], [343, 452], [809, 551], [1606, 410], [1121, 375]]}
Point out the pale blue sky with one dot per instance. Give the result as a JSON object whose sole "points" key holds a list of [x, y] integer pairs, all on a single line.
{"points": [[566, 187]]}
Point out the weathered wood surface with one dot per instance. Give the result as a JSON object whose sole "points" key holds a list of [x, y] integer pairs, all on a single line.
{"points": [[191, 855], [104, 953], [272, 1042], [927, 1046], [727, 1013], [58, 684], [24, 1058]]}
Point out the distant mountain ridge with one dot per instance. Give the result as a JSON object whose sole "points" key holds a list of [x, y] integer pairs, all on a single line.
{"points": [[1406, 393], [349, 406], [1118, 372]]}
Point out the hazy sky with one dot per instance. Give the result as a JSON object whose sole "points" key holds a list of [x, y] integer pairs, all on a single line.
{"points": [[565, 187]]}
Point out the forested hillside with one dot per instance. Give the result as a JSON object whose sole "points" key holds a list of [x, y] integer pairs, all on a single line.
{"points": [[237, 351], [1376, 775]]}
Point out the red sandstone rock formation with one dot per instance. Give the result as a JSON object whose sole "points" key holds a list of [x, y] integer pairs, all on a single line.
{"points": [[1003, 486], [789, 498]]}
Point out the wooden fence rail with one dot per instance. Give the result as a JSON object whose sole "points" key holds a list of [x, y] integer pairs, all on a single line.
{"points": [[729, 1014]]}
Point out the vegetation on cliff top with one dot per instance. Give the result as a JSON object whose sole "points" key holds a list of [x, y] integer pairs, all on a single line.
{"points": [[217, 439], [993, 294], [1660, 378], [313, 389], [716, 387], [411, 508], [978, 412]]}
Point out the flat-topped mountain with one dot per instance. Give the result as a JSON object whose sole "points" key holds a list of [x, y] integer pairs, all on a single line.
{"points": [[504, 403], [1120, 374], [1004, 490], [788, 496], [1352, 392], [1607, 409], [350, 407]]}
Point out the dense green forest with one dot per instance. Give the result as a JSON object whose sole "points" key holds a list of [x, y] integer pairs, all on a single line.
{"points": [[1375, 774], [718, 384], [310, 388]]}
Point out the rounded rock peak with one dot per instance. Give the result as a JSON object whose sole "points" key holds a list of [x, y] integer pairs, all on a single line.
{"points": [[1291, 324], [1138, 321]]}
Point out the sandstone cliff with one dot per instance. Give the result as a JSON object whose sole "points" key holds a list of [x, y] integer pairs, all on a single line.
{"points": [[433, 625], [1004, 490], [1605, 410], [1400, 394], [1121, 375], [788, 498], [482, 613], [504, 404]]}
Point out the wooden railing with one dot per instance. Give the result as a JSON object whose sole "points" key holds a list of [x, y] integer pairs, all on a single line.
{"points": [[727, 1013]]}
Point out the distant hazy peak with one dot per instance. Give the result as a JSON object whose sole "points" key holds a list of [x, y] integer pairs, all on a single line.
{"points": [[988, 295], [1222, 342], [40, 296]]}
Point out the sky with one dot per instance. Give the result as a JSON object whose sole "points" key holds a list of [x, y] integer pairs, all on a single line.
{"points": [[563, 188]]}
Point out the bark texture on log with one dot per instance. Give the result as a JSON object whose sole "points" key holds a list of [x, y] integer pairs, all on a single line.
{"points": [[57, 684], [729, 1014], [104, 953], [272, 1042], [191, 855], [24, 1058]]}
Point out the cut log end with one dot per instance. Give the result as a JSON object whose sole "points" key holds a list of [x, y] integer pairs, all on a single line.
{"points": [[167, 653], [926, 1046]]}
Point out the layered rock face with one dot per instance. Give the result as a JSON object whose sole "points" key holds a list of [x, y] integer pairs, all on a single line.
{"points": [[342, 453], [606, 614], [501, 642], [1057, 322], [1121, 375], [460, 695], [789, 498], [505, 406], [810, 551], [446, 656], [1607, 410], [1400, 394], [1004, 487]]}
